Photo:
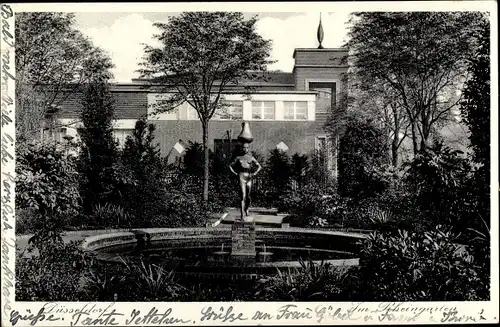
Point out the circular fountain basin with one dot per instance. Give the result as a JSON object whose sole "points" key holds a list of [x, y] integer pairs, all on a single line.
{"points": [[201, 251]]}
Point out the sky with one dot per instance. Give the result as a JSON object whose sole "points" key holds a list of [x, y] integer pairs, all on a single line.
{"points": [[122, 35]]}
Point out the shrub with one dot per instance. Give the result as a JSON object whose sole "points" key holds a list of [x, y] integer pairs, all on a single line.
{"points": [[152, 282], [362, 149], [179, 209], [47, 186], [109, 214], [278, 172], [312, 204], [54, 275], [437, 177], [98, 152], [26, 220], [310, 282], [103, 284], [425, 266]]}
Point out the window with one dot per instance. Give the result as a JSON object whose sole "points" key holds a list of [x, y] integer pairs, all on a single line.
{"points": [[121, 135], [54, 134], [230, 110], [263, 110], [295, 110]]}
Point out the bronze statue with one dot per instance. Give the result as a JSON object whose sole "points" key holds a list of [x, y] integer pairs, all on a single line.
{"points": [[242, 167]]}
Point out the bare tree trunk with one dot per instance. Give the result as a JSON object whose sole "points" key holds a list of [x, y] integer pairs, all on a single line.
{"points": [[394, 150], [414, 137], [206, 161]]}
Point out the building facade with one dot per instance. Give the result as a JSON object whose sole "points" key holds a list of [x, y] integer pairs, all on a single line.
{"points": [[285, 111]]}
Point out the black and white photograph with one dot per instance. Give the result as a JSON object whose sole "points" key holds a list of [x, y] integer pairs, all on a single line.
{"points": [[332, 163]]}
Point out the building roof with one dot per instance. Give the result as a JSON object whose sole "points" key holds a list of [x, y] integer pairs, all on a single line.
{"points": [[262, 78], [128, 105]]}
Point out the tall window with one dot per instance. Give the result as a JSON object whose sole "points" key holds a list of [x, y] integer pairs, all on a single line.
{"points": [[263, 110], [295, 110], [232, 110]]}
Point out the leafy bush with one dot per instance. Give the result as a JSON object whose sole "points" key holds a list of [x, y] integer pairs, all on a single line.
{"points": [[362, 150], [278, 171], [26, 220], [110, 215], [311, 204], [179, 209], [98, 153], [101, 284], [437, 177], [46, 186], [152, 282], [54, 275], [310, 282], [425, 266]]}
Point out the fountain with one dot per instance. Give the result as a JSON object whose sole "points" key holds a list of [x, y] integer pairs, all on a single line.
{"points": [[201, 251]]}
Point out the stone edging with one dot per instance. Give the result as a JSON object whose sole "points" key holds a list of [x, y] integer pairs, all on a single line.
{"points": [[101, 240]]}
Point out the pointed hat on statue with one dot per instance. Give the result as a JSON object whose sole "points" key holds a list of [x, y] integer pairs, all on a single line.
{"points": [[245, 135]]}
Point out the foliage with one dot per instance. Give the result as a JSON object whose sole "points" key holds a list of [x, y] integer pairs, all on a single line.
{"points": [[278, 171], [179, 209], [102, 284], [437, 178], [311, 206], [193, 159], [26, 220], [152, 282], [53, 275], [109, 214], [201, 54], [475, 111], [53, 59], [140, 151], [362, 150], [141, 155], [310, 282], [299, 167], [318, 171], [425, 266], [47, 187], [418, 58], [98, 151]]}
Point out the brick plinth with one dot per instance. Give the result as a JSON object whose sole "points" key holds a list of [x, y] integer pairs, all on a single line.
{"points": [[243, 241]]}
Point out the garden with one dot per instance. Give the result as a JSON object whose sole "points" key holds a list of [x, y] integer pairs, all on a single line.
{"points": [[427, 218]]}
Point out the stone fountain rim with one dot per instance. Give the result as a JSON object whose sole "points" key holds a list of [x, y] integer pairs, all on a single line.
{"points": [[88, 241]]}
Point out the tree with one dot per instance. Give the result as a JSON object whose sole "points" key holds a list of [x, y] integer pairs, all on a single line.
{"points": [[475, 107], [420, 57], [377, 102], [47, 185], [141, 155], [201, 55], [475, 110], [362, 149], [140, 150], [53, 60], [99, 151], [279, 171]]}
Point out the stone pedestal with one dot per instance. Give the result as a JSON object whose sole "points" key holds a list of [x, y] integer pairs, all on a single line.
{"points": [[243, 241]]}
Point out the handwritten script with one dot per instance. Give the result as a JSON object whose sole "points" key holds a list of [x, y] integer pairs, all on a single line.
{"points": [[101, 314], [7, 158]]}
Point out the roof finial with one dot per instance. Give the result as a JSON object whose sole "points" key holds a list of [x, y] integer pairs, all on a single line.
{"points": [[319, 34]]}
